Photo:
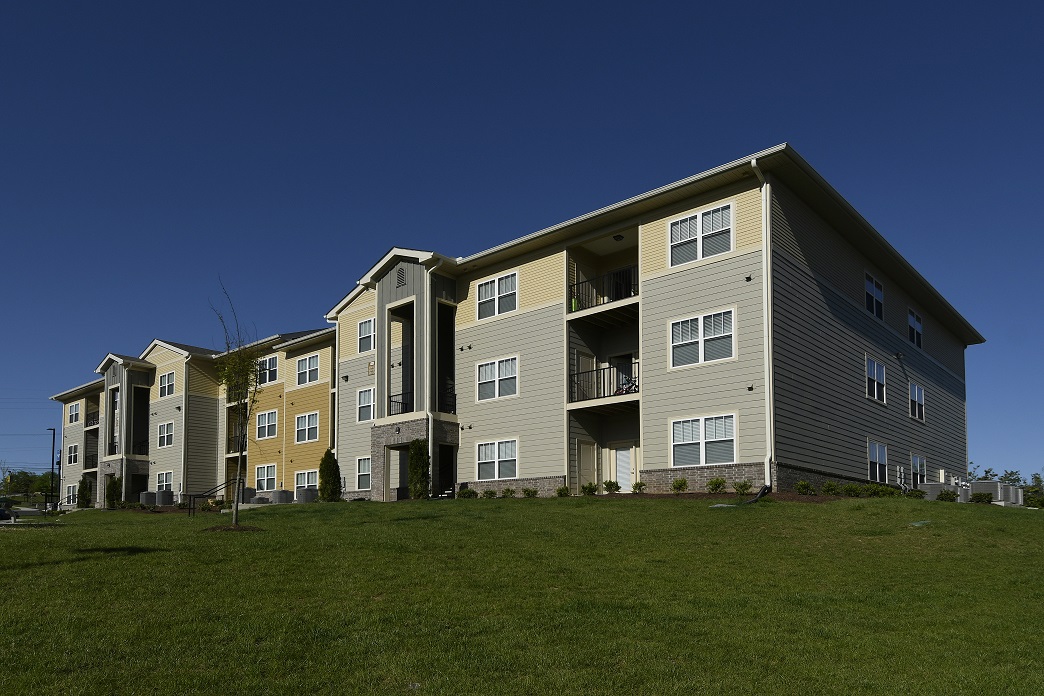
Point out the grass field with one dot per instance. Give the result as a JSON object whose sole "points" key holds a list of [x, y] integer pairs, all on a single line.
{"points": [[658, 595]]}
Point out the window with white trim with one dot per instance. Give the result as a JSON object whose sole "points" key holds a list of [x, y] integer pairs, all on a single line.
{"points": [[166, 384], [267, 424], [307, 427], [497, 379], [70, 494], [306, 479], [308, 370], [699, 441], [362, 473], [702, 235], [267, 370], [918, 468], [497, 460], [498, 295], [916, 328], [702, 339], [264, 479], [874, 296], [875, 379], [166, 434], [916, 401], [366, 335], [74, 413], [877, 454], [164, 480], [74, 454], [364, 412]]}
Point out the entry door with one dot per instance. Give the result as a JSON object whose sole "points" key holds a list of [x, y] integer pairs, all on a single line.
{"points": [[587, 453], [622, 456]]}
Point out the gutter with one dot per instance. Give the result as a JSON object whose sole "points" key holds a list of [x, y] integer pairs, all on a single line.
{"points": [[766, 311], [428, 300]]}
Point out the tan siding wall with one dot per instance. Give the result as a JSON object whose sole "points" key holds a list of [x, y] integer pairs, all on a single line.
{"points": [[541, 281], [269, 450], [304, 456], [166, 361], [362, 308], [202, 379], [325, 352]]}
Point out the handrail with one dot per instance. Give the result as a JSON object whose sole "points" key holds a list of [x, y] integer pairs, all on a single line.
{"points": [[616, 285], [92, 419], [400, 403], [206, 494], [603, 382]]}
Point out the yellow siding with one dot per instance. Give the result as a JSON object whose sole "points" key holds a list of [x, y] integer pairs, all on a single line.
{"points": [[325, 352], [541, 281], [304, 456], [363, 307], [269, 450], [167, 361]]}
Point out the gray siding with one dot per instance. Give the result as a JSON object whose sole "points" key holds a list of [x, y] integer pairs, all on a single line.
{"points": [[168, 458], [390, 292], [202, 420], [353, 438]]}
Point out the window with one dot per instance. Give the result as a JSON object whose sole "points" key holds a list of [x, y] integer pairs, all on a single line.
{"points": [[267, 370], [308, 427], [306, 479], [365, 402], [70, 495], [74, 454], [496, 460], [916, 328], [701, 339], [716, 446], [366, 342], [702, 235], [362, 468], [265, 478], [874, 297], [498, 296], [918, 468], [497, 379], [916, 401], [164, 480], [166, 384], [875, 380], [166, 434], [878, 456], [308, 370], [266, 424], [74, 413]]}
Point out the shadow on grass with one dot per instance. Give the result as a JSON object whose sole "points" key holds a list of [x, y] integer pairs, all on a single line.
{"points": [[87, 555]]}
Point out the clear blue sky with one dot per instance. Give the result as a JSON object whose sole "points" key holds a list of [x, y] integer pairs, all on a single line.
{"points": [[148, 148]]}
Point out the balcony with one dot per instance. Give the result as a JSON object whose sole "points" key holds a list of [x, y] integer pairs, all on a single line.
{"points": [[90, 461], [112, 448], [448, 399], [140, 447], [93, 418], [611, 287], [603, 382], [235, 444], [400, 403]]}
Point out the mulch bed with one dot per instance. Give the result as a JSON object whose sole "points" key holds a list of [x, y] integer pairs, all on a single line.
{"points": [[781, 496]]}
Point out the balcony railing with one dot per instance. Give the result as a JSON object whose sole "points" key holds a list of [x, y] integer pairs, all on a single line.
{"points": [[90, 461], [618, 285], [112, 448], [603, 382], [93, 418], [400, 403], [235, 444], [140, 447], [448, 399]]}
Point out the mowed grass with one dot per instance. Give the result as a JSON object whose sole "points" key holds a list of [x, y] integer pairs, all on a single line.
{"points": [[577, 596]]}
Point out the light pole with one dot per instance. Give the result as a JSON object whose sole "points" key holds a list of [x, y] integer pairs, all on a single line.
{"points": [[51, 494]]}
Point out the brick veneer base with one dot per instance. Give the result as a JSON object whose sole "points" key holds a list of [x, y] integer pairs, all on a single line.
{"points": [[660, 480], [546, 486], [787, 476]]}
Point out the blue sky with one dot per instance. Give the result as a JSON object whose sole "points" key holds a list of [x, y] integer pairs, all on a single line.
{"points": [[147, 149]]}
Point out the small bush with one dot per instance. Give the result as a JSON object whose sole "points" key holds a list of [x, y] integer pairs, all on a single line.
{"points": [[830, 488], [417, 462], [716, 485], [742, 487], [589, 488], [638, 487], [562, 491], [611, 486], [206, 506], [507, 493], [489, 494], [183, 505], [852, 490], [680, 485], [529, 492], [467, 493], [982, 497], [916, 493], [804, 488], [1033, 500], [947, 496], [113, 492]]}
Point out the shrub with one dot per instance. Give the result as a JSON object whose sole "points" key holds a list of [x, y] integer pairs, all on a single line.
{"points": [[947, 496], [529, 492], [638, 487], [852, 490], [467, 493], [418, 469], [611, 486], [680, 485], [589, 488], [804, 488], [181, 505], [742, 487], [113, 492], [562, 491], [716, 485], [982, 497], [507, 493], [83, 493], [916, 493], [1033, 500], [206, 506], [489, 494], [830, 488], [329, 478]]}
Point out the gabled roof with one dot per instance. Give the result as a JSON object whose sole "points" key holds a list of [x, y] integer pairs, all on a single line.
{"points": [[127, 360], [273, 340], [183, 348], [91, 387], [369, 279], [307, 338]]}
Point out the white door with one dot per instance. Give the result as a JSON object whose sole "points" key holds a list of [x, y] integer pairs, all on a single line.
{"points": [[623, 468]]}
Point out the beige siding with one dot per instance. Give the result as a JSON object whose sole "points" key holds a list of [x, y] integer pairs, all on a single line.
{"points": [[325, 353], [202, 379], [363, 307], [166, 361], [541, 281]]}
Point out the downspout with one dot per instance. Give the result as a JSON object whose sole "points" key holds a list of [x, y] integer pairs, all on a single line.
{"points": [[766, 311], [427, 372]]}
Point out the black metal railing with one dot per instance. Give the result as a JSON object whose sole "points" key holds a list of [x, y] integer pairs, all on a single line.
{"points": [[603, 382], [400, 403], [193, 497], [140, 447], [618, 285], [93, 418], [90, 461], [112, 448], [448, 399], [236, 444]]}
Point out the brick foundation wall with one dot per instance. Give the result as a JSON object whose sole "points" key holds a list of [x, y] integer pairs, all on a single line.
{"points": [[660, 480], [546, 486], [788, 475]]}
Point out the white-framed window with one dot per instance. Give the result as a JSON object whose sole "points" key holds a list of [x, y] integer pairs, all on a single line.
{"points": [[74, 454], [918, 468], [498, 295], [874, 296], [306, 479], [362, 473], [877, 454], [702, 339], [308, 369], [916, 327], [70, 494], [702, 235], [166, 384], [366, 335], [264, 478], [267, 369], [307, 427], [164, 480], [74, 413], [364, 402], [497, 379], [875, 379], [166, 434], [498, 460], [916, 401], [266, 424], [700, 441]]}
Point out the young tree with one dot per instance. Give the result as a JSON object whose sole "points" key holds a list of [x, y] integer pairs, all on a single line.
{"points": [[113, 491], [83, 493], [1012, 478], [988, 475], [418, 469], [329, 478]]}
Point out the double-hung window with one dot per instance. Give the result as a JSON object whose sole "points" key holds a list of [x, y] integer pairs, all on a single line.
{"points": [[498, 295], [916, 401], [365, 405], [308, 370], [916, 328], [362, 472], [267, 370], [266, 424], [306, 479], [702, 339], [74, 413], [366, 335], [166, 384], [875, 379], [874, 297], [702, 235], [70, 494], [307, 427], [497, 460], [878, 457], [919, 469], [74, 454], [710, 440], [497, 379], [164, 480], [166, 434], [265, 478]]}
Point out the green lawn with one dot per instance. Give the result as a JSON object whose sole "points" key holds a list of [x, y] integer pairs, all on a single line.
{"points": [[646, 596]]}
